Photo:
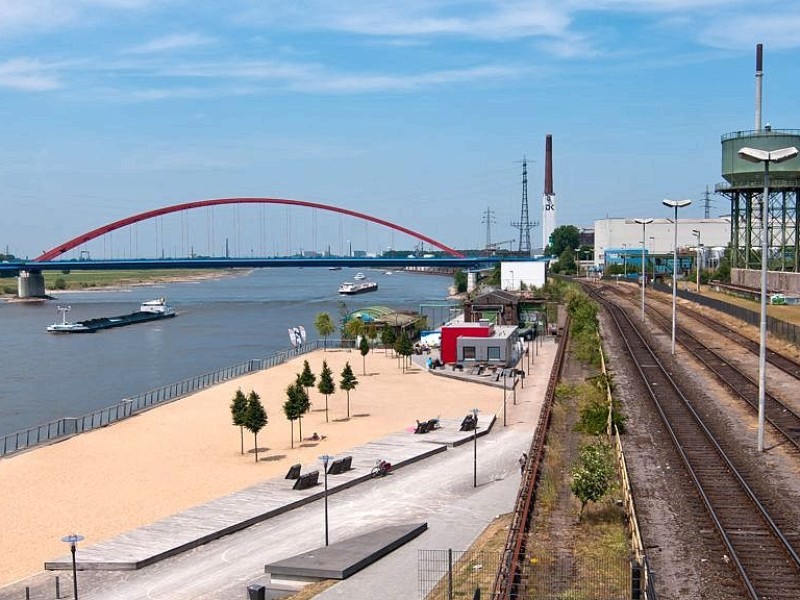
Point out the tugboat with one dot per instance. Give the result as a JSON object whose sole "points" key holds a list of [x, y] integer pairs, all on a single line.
{"points": [[152, 310]]}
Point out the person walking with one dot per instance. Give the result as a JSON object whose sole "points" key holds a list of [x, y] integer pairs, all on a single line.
{"points": [[522, 461]]}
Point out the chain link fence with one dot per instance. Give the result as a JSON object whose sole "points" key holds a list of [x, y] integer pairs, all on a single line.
{"points": [[453, 575]]}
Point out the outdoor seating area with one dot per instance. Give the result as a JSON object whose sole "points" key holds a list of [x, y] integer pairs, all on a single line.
{"points": [[426, 426], [469, 423], [340, 465], [307, 480]]}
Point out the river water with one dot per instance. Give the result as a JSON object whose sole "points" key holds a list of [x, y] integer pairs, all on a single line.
{"points": [[220, 322]]}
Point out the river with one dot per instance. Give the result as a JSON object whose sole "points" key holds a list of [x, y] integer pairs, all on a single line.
{"points": [[220, 322]]}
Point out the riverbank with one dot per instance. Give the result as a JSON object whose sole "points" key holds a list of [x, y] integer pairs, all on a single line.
{"points": [[111, 480]]}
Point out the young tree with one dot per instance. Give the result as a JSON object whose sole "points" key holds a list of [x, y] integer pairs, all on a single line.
{"points": [[326, 385], [324, 325], [307, 378], [403, 348], [255, 417], [364, 348], [238, 410], [388, 337], [592, 474], [304, 404], [347, 383], [293, 407], [353, 328]]}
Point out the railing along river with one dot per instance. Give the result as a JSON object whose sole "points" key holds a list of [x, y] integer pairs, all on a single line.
{"points": [[68, 426]]}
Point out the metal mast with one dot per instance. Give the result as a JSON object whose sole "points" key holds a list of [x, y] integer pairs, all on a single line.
{"points": [[524, 225], [488, 218]]}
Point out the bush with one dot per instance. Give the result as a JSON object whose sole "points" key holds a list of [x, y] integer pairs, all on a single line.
{"points": [[60, 283]]}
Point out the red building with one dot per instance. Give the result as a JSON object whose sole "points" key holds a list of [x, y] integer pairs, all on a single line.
{"points": [[451, 333]]}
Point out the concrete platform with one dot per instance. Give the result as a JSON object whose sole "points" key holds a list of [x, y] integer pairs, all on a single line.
{"points": [[201, 524], [343, 559]]}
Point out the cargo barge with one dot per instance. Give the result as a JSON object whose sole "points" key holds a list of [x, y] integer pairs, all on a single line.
{"points": [[152, 310], [348, 288]]}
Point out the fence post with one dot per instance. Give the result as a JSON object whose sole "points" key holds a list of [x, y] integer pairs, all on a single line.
{"points": [[449, 574]]}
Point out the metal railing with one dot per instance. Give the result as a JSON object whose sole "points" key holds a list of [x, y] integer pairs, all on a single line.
{"points": [[68, 426]]}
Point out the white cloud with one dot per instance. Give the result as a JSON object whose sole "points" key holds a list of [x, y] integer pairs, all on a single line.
{"points": [[167, 43], [28, 75], [744, 31]]}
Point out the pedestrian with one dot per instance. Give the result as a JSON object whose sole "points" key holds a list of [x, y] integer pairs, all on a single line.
{"points": [[522, 461]]}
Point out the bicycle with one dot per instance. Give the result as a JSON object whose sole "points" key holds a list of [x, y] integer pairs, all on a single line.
{"points": [[381, 468]]}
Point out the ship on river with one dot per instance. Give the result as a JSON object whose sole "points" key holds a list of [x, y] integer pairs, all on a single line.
{"points": [[152, 310], [348, 288]]}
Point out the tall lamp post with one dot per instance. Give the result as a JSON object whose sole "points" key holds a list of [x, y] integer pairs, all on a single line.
{"points": [[644, 223], [676, 204], [653, 258], [696, 233], [505, 392], [475, 412], [764, 156], [73, 539], [325, 459]]}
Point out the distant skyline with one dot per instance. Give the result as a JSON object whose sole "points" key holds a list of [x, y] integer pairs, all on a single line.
{"points": [[417, 112]]}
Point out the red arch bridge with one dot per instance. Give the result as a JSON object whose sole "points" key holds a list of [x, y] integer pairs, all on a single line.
{"points": [[31, 280]]}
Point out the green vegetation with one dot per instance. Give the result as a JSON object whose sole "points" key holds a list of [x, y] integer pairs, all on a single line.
{"points": [[403, 348], [255, 417], [324, 326], [326, 385], [593, 474], [460, 281], [364, 348], [584, 327], [348, 382], [563, 237], [296, 405], [238, 412]]}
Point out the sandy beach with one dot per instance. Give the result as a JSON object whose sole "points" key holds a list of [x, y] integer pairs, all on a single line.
{"points": [[185, 453]]}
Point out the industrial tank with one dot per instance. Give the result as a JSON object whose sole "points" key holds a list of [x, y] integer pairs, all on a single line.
{"points": [[743, 174]]}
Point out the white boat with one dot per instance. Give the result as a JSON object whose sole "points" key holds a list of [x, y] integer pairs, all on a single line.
{"points": [[158, 306], [359, 276], [348, 288], [387, 272]]}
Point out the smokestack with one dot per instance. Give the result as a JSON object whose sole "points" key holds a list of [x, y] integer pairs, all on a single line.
{"points": [[759, 76], [548, 165]]}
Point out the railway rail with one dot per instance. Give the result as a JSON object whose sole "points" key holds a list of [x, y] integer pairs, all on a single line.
{"points": [[766, 561], [781, 416], [510, 580]]}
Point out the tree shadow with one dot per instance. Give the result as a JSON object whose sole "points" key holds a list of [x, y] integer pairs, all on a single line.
{"points": [[342, 420], [361, 415], [272, 458], [253, 450], [309, 444]]}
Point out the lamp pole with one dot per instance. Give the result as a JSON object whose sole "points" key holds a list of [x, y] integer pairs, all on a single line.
{"points": [[764, 156], [325, 459], [504, 396], [475, 412], [73, 539], [653, 258], [696, 233], [643, 223], [624, 260], [512, 280], [676, 204]]}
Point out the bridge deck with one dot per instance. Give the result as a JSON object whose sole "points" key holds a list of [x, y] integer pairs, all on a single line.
{"points": [[201, 524]]}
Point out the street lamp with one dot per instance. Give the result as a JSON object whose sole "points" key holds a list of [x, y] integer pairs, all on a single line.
{"points": [[504, 396], [653, 258], [676, 204], [644, 223], [325, 459], [475, 412], [696, 233], [73, 539], [512, 280], [764, 156], [625, 260]]}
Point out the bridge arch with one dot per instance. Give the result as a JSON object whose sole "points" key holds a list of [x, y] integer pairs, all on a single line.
{"points": [[150, 214]]}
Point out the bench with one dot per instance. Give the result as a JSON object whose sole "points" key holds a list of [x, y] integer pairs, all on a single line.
{"points": [[340, 465], [306, 481], [294, 472], [469, 423], [422, 427]]}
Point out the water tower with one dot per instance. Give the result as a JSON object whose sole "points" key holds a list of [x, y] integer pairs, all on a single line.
{"points": [[744, 187]]}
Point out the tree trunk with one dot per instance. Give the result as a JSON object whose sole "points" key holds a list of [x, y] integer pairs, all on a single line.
{"points": [[300, 423], [364, 365], [348, 404], [241, 434], [326, 408], [255, 439], [291, 424]]}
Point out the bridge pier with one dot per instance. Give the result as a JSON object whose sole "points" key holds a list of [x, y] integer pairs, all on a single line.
{"points": [[30, 284]]}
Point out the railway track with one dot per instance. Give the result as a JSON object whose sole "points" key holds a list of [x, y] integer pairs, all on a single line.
{"points": [[781, 416], [763, 556]]}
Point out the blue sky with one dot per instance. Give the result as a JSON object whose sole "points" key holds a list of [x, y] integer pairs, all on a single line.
{"points": [[418, 112]]}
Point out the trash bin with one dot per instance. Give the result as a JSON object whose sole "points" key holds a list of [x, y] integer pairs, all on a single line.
{"points": [[256, 592]]}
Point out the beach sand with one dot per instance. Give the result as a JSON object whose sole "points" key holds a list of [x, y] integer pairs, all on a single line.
{"points": [[105, 482]]}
